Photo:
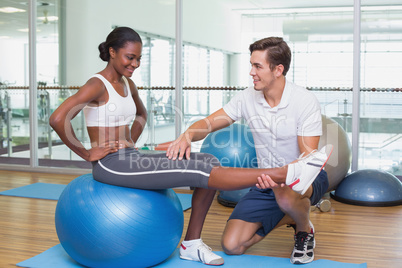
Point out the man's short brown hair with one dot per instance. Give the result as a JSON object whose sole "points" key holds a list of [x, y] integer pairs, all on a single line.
{"points": [[278, 52]]}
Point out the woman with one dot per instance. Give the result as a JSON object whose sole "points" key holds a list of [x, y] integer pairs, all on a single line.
{"points": [[110, 103]]}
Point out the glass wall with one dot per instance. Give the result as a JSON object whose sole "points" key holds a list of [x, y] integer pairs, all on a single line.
{"points": [[215, 66], [381, 101], [14, 73]]}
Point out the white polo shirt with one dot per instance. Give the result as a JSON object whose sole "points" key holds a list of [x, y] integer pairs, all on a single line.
{"points": [[275, 130]]}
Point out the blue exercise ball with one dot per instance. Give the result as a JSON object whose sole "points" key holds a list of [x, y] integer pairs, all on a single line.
{"points": [[101, 225], [369, 187], [234, 147]]}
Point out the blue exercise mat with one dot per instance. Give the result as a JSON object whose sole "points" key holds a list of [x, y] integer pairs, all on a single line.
{"points": [[37, 190], [57, 257], [53, 191]]}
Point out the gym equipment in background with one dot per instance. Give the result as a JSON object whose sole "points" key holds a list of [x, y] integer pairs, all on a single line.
{"points": [[369, 187]]}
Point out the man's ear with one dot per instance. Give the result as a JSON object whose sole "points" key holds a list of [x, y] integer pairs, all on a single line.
{"points": [[279, 70]]}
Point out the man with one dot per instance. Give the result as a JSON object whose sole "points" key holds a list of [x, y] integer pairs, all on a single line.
{"points": [[285, 120]]}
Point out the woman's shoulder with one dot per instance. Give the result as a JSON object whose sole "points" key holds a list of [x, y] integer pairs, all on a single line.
{"points": [[97, 81], [92, 89]]}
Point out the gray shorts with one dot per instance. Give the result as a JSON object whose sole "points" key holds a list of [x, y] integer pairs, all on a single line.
{"points": [[261, 206], [130, 168]]}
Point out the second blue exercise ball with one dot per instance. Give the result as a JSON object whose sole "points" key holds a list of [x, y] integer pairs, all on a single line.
{"points": [[234, 147]]}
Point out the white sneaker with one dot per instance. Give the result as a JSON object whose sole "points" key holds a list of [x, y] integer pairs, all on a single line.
{"points": [[200, 252], [302, 173]]}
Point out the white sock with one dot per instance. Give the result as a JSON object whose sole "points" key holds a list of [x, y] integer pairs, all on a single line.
{"points": [[189, 243]]}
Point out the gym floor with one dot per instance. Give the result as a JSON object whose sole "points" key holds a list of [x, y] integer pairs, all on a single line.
{"points": [[346, 233]]}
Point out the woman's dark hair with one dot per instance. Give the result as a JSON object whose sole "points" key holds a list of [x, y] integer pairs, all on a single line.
{"points": [[117, 39], [278, 52]]}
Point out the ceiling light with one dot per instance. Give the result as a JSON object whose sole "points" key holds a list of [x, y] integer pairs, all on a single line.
{"points": [[49, 18], [26, 30], [11, 10]]}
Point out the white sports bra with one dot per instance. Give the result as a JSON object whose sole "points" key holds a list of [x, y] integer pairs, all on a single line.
{"points": [[117, 111]]}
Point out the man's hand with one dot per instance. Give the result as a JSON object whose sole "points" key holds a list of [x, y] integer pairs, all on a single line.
{"points": [[179, 148], [265, 182]]}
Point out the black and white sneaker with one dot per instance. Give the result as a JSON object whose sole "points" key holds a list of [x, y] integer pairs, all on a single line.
{"points": [[303, 252]]}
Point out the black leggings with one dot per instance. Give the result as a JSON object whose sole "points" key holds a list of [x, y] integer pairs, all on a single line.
{"points": [[130, 168]]}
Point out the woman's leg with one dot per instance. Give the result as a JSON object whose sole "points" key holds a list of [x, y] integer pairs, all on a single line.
{"points": [[227, 179], [298, 175], [132, 169], [200, 204]]}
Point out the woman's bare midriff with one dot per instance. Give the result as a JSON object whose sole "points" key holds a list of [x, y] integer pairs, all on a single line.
{"points": [[99, 136]]}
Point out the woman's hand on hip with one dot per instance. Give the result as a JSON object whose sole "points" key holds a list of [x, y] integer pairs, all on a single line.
{"points": [[99, 152]]}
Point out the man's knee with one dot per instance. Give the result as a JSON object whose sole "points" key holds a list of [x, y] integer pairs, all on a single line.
{"points": [[285, 199], [288, 199], [231, 245], [239, 235]]}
